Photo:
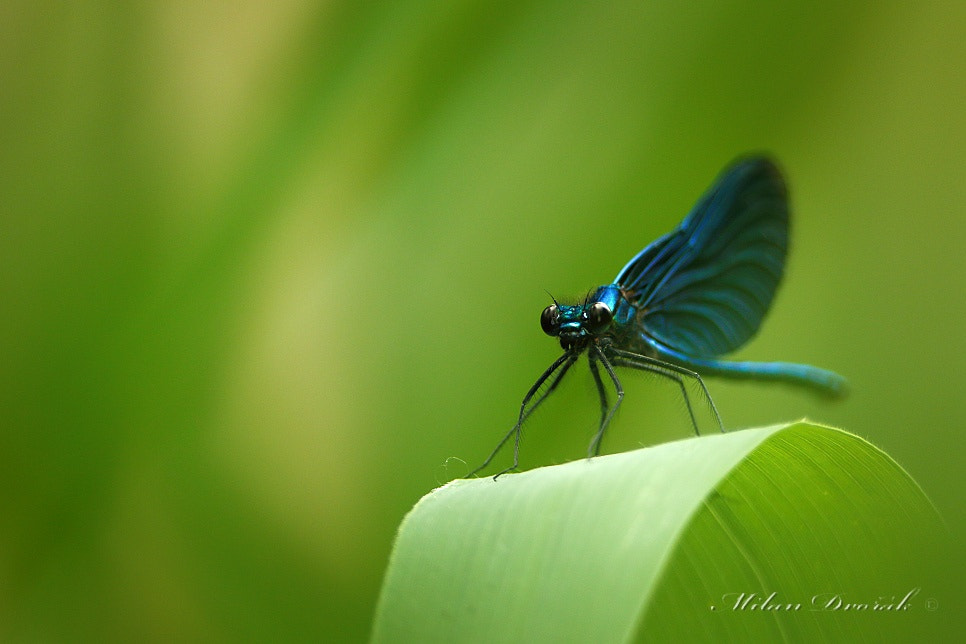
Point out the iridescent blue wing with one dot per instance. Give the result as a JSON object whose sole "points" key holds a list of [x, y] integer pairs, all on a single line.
{"points": [[704, 289]]}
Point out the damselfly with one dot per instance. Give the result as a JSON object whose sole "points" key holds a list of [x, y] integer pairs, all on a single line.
{"points": [[688, 298]]}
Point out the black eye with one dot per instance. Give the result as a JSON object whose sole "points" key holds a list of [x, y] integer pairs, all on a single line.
{"points": [[597, 317], [550, 319]]}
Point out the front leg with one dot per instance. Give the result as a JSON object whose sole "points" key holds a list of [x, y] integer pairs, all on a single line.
{"points": [[563, 363]]}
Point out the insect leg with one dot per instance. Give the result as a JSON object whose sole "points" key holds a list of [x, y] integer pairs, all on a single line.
{"points": [[606, 415], [563, 363], [601, 391], [624, 362], [674, 372]]}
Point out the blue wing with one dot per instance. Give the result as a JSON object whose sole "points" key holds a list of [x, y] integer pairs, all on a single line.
{"points": [[704, 289]]}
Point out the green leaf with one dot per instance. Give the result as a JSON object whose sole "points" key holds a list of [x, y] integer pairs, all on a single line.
{"points": [[683, 540]]}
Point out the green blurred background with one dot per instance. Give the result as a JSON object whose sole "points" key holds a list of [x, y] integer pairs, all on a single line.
{"points": [[272, 272]]}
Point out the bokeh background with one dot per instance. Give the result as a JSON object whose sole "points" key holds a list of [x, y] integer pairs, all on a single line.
{"points": [[269, 272]]}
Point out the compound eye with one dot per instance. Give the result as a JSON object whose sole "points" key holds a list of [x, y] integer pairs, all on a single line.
{"points": [[598, 317], [550, 320]]}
